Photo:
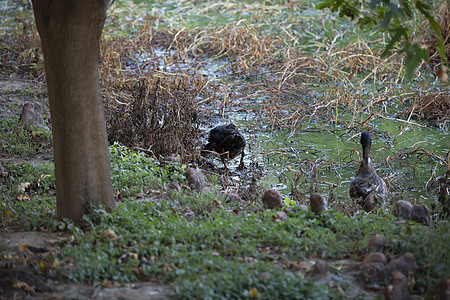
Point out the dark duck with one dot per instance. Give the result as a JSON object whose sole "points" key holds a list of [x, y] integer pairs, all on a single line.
{"points": [[227, 141], [367, 188]]}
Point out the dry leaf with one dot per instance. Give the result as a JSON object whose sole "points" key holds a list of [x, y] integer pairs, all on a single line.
{"points": [[23, 247], [8, 213], [23, 186], [139, 271], [23, 197], [253, 293], [442, 74], [51, 242], [109, 233], [24, 286], [109, 284]]}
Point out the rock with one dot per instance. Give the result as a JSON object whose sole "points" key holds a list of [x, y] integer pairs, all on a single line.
{"points": [[405, 264], [418, 213], [272, 199], [196, 179], [377, 243], [280, 215], [318, 203], [404, 209], [31, 116], [374, 268], [398, 289], [421, 214], [377, 257]]}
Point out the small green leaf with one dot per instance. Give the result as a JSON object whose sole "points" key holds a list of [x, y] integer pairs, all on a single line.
{"points": [[323, 5], [399, 32], [414, 56]]}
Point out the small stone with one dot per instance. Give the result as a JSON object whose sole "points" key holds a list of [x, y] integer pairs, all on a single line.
{"points": [[377, 257], [196, 179], [421, 214], [377, 243], [398, 289], [31, 115], [418, 213], [318, 203], [404, 209], [405, 264], [374, 268], [272, 199], [281, 215]]}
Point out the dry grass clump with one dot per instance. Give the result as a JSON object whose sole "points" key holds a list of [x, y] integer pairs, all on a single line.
{"points": [[241, 43], [434, 106], [162, 117], [357, 58], [20, 50]]}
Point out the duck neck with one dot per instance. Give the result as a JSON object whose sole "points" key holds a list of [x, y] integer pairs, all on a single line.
{"points": [[366, 153]]}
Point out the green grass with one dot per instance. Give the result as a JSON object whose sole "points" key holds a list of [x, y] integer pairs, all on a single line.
{"points": [[20, 141], [216, 254], [132, 172]]}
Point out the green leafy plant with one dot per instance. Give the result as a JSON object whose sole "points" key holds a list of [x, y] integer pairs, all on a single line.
{"points": [[393, 17], [19, 141], [132, 171]]}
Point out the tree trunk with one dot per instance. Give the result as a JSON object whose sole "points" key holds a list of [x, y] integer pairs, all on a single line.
{"points": [[70, 31]]}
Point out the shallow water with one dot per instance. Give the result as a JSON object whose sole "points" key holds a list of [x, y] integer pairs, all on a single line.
{"points": [[337, 152]]}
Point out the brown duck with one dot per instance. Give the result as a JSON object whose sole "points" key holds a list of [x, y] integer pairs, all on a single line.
{"points": [[367, 188]]}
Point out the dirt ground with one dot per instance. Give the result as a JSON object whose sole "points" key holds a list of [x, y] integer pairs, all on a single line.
{"points": [[24, 252]]}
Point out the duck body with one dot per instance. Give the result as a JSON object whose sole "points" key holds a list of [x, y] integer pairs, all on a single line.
{"points": [[367, 188], [227, 141]]}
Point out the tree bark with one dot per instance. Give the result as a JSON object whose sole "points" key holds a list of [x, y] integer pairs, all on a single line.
{"points": [[70, 31]]}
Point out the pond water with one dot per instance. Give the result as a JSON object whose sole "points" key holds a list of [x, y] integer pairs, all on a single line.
{"points": [[337, 153]]}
